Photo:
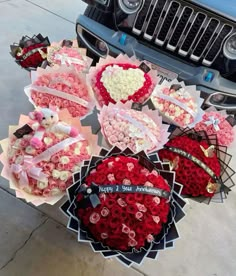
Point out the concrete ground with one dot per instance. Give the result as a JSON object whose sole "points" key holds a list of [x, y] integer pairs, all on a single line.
{"points": [[34, 241]]}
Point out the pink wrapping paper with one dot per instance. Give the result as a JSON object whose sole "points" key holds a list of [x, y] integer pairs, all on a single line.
{"points": [[122, 94], [214, 122], [61, 87], [23, 191]]}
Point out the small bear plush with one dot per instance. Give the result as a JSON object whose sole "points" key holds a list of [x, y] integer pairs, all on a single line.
{"points": [[48, 121]]}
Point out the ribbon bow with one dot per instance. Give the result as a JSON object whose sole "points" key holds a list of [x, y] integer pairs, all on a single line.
{"points": [[64, 58], [213, 121], [28, 169], [90, 194], [183, 93]]}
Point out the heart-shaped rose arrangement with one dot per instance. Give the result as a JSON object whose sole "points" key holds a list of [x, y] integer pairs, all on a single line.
{"points": [[193, 175], [122, 82]]}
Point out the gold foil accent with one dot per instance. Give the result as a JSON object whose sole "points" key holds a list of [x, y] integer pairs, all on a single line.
{"points": [[174, 164], [43, 55], [212, 187], [209, 152], [19, 52]]}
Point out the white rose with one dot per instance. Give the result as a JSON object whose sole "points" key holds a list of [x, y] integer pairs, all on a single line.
{"points": [[55, 191], [27, 189], [64, 175], [11, 152], [76, 168], [56, 174], [30, 150], [47, 140], [19, 159], [17, 145], [64, 160], [42, 184]]}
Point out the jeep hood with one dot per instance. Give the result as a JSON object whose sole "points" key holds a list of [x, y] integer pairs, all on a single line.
{"points": [[226, 8]]}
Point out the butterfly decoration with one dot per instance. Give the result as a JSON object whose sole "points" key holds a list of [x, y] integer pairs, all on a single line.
{"points": [[209, 152], [212, 187], [174, 164]]}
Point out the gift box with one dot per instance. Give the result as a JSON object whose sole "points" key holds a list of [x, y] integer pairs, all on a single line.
{"points": [[178, 104], [200, 163], [67, 52], [41, 154], [125, 205], [218, 123], [30, 52], [62, 87], [121, 79], [133, 126]]}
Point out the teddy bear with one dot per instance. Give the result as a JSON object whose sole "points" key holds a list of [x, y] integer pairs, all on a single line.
{"points": [[48, 121]]}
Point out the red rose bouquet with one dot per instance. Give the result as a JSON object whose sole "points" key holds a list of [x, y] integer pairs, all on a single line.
{"points": [[121, 79], [62, 87], [30, 52], [123, 203], [200, 163], [42, 152], [123, 126]]}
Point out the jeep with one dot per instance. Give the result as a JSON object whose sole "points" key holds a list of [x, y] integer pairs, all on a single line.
{"points": [[194, 41]]}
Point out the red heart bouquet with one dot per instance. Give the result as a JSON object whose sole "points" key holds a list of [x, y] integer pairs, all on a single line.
{"points": [[200, 163], [121, 79], [123, 203], [30, 52]]}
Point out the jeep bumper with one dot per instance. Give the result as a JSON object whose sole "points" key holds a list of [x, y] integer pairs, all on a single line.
{"points": [[217, 91]]}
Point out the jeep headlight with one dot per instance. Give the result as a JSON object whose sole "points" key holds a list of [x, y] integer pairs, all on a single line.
{"points": [[130, 6], [230, 47]]}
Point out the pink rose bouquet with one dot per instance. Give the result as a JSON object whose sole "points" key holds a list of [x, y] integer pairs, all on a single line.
{"points": [[138, 130], [61, 87], [42, 174], [178, 104], [121, 79], [214, 122], [68, 53]]}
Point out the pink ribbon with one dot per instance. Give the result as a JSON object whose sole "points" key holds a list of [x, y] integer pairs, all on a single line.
{"points": [[28, 169]]}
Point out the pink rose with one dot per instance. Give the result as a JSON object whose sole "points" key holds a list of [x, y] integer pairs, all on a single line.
{"points": [[132, 234], [150, 238], [94, 218], [125, 229], [132, 243], [105, 212], [157, 200], [121, 202], [139, 215], [104, 236], [141, 207], [126, 181], [156, 219]]}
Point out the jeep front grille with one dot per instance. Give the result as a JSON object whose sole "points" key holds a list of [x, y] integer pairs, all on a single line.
{"points": [[181, 28]]}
